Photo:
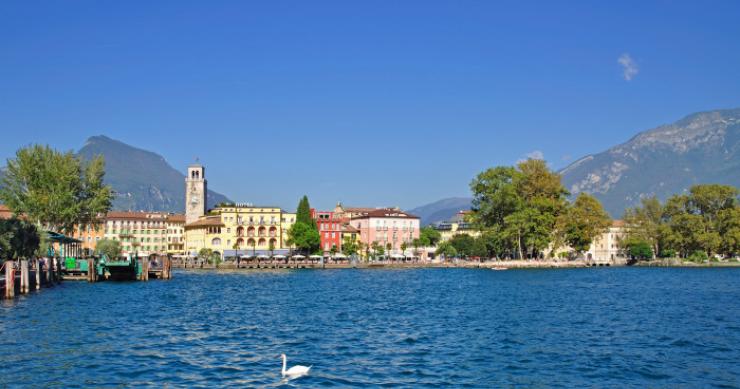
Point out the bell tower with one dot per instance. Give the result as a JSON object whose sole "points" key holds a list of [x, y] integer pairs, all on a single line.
{"points": [[195, 192]]}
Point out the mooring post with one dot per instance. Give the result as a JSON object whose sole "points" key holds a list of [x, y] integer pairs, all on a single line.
{"points": [[9, 280], [90, 270], [25, 287], [49, 275], [37, 263]]}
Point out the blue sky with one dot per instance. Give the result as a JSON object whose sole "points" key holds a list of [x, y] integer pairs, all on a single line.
{"points": [[370, 103]]}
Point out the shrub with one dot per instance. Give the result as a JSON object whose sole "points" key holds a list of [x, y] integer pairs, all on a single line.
{"points": [[641, 250], [698, 256], [667, 253]]}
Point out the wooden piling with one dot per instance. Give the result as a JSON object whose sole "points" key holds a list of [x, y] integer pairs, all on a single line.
{"points": [[49, 271], [37, 263], [25, 279], [90, 270], [144, 269], [9, 280]]}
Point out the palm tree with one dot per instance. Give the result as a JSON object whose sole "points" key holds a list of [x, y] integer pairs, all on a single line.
{"points": [[236, 253]]}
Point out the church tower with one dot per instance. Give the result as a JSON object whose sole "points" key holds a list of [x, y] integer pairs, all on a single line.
{"points": [[195, 193]]}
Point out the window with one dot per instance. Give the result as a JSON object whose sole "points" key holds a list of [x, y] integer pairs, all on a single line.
{"points": [[216, 242]]}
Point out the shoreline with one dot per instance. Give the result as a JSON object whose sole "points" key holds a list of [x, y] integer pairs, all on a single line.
{"points": [[502, 265]]}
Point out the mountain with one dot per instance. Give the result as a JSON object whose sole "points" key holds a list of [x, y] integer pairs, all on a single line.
{"points": [[142, 180], [441, 210], [700, 148]]}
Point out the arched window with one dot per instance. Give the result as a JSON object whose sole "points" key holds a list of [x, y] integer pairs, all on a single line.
{"points": [[216, 242], [261, 242]]}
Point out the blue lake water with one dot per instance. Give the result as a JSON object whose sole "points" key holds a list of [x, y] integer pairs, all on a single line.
{"points": [[606, 327]]}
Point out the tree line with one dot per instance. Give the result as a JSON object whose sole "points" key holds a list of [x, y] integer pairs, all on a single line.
{"points": [[696, 225]]}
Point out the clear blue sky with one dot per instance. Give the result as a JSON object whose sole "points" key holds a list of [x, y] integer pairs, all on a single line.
{"points": [[371, 103]]}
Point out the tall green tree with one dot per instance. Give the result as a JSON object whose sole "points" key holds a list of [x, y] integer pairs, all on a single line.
{"points": [[303, 214], [644, 223], [56, 190], [428, 236], [519, 204], [109, 247], [305, 238], [583, 222]]}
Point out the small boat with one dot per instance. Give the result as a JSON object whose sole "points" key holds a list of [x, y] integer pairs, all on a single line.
{"points": [[499, 268]]}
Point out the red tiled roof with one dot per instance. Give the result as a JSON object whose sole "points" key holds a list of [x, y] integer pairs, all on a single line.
{"points": [[618, 223], [176, 218], [349, 228], [208, 221]]}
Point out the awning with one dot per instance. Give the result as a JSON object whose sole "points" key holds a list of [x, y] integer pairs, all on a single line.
{"points": [[298, 256], [397, 256], [315, 257], [339, 256], [279, 256]]}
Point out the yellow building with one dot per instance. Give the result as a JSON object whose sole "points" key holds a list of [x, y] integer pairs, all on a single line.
{"points": [[456, 225], [240, 229]]}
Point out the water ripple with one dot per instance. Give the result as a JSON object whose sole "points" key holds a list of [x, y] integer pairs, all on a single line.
{"points": [[382, 328]]}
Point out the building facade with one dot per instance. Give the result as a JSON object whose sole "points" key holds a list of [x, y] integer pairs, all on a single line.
{"points": [[330, 230], [240, 229], [142, 233], [387, 226], [175, 234], [607, 246], [456, 225]]}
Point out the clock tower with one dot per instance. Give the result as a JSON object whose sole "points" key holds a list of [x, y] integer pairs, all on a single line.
{"points": [[195, 193]]}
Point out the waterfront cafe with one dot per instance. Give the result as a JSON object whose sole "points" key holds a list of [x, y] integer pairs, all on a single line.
{"points": [[64, 246]]}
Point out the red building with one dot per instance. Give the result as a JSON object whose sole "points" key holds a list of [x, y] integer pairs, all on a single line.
{"points": [[330, 229]]}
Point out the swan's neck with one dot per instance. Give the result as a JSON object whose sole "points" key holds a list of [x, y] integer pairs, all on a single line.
{"points": [[284, 363]]}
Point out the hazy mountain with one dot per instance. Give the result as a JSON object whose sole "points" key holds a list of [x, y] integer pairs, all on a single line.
{"points": [[441, 210], [700, 148], [142, 180]]}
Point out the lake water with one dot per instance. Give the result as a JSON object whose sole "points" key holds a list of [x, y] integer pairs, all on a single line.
{"points": [[605, 327]]}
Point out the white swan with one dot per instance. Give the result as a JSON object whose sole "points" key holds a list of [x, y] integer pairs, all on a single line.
{"points": [[295, 371]]}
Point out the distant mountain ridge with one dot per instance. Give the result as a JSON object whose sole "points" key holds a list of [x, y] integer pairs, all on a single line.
{"points": [[701, 148], [441, 210], [142, 180]]}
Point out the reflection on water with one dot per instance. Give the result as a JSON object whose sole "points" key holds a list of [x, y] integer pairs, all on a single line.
{"points": [[425, 327]]}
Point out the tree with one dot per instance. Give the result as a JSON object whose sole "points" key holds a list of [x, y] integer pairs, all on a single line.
{"points": [[388, 248], [446, 249], [644, 223], [640, 250], [584, 221], [109, 247], [333, 250], [349, 246], [404, 246], [18, 239], [271, 247], [55, 190], [377, 249], [205, 253], [520, 205], [463, 244], [304, 237], [428, 236], [303, 214], [728, 222]]}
